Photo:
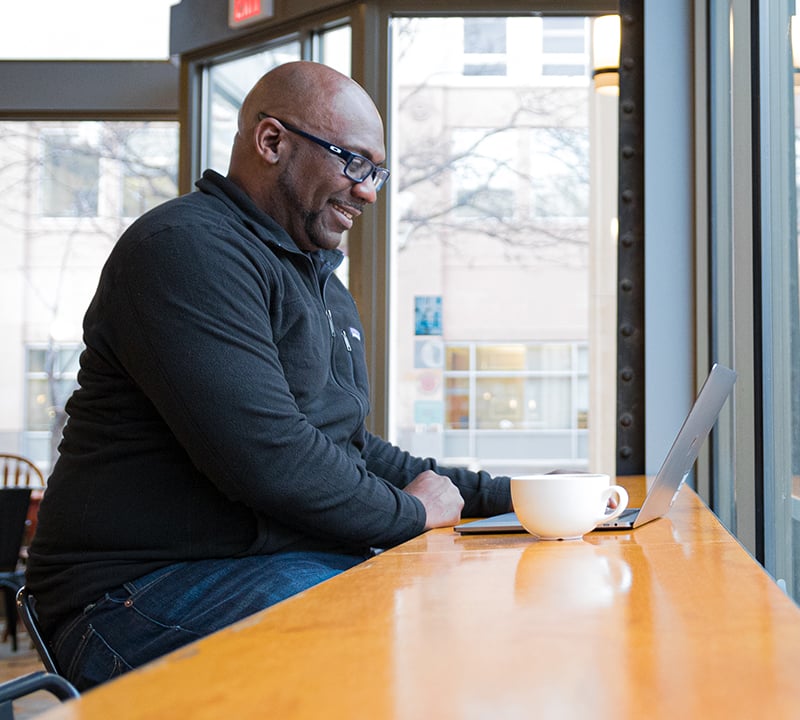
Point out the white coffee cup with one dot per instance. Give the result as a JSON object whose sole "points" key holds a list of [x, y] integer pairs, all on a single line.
{"points": [[565, 506]]}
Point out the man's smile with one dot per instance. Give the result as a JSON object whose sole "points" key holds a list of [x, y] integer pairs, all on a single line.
{"points": [[346, 212]]}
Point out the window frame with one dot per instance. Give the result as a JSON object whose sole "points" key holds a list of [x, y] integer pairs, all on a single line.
{"points": [[576, 373], [776, 198]]}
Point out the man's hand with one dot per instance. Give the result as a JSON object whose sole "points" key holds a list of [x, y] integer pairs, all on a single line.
{"points": [[442, 500]]}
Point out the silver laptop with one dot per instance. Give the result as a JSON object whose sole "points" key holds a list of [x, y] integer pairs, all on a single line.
{"points": [[674, 470]]}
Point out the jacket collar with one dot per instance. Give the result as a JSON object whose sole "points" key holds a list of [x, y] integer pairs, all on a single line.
{"points": [[259, 222]]}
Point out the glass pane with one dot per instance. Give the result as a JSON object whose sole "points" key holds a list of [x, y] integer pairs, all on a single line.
{"points": [[37, 445], [485, 68], [69, 361], [457, 408], [500, 403], [62, 388], [548, 403], [500, 357], [39, 406], [562, 24], [484, 35], [148, 175], [490, 220], [721, 252], [564, 46], [485, 45], [756, 463], [780, 297], [793, 276], [71, 173], [53, 174], [457, 357], [483, 174], [559, 168], [583, 359], [562, 69], [550, 357], [228, 83], [335, 48], [456, 445], [36, 361], [582, 409], [563, 35]]}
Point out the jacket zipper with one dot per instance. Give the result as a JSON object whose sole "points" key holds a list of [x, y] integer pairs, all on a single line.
{"points": [[332, 328]]}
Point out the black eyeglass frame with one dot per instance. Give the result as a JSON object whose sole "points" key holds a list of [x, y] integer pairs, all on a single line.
{"points": [[378, 174]]}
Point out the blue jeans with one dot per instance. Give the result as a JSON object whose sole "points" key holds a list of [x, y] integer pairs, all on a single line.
{"points": [[173, 606]]}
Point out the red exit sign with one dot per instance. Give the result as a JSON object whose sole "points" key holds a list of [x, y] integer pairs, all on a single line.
{"points": [[244, 12]]}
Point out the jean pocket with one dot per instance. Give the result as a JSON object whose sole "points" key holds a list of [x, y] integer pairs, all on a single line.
{"points": [[111, 637], [94, 661]]}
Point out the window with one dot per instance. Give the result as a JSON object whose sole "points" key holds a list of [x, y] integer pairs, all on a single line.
{"points": [[70, 173], [753, 254], [149, 168], [70, 189], [779, 291], [485, 46], [564, 46], [51, 376], [79, 160], [481, 168], [333, 47], [228, 81], [490, 203], [560, 172], [536, 395]]}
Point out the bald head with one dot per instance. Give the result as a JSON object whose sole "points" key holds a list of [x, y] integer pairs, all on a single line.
{"points": [[306, 93], [276, 165]]}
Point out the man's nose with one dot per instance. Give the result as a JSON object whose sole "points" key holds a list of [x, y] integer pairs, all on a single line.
{"points": [[365, 190]]}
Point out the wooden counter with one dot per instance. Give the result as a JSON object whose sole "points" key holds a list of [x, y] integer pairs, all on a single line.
{"points": [[673, 620]]}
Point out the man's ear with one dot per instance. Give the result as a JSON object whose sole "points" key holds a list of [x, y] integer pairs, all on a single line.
{"points": [[268, 138]]}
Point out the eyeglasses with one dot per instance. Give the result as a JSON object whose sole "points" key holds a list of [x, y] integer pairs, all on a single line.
{"points": [[356, 167]]}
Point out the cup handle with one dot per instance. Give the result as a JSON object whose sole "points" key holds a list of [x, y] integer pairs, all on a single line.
{"points": [[622, 502]]}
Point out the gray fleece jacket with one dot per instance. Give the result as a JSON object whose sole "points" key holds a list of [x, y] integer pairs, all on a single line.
{"points": [[221, 408]]}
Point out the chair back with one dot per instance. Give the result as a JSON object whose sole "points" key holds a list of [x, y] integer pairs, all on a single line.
{"points": [[26, 607], [28, 684], [14, 503], [18, 471]]}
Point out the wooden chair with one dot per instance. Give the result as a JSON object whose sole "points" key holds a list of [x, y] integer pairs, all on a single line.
{"points": [[18, 471]]}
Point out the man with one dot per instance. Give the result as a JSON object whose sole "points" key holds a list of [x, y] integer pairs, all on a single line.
{"points": [[216, 459]]}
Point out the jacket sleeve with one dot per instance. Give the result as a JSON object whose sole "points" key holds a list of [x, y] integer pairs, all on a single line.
{"points": [[483, 494]]}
